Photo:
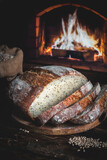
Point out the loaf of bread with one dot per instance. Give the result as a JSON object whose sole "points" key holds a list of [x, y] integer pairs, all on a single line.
{"points": [[43, 87], [73, 98], [77, 108], [94, 110]]}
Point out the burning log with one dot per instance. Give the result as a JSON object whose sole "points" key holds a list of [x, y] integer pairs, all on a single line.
{"points": [[58, 52], [84, 55], [76, 41]]}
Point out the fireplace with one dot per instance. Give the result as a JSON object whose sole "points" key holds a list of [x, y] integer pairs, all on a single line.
{"points": [[72, 33]]}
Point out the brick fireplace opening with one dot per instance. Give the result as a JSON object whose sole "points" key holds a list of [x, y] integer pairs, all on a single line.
{"points": [[71, 34]]}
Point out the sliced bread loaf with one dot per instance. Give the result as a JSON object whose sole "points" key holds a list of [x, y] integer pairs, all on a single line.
{"points": [[74, 97], [94, 110], [77, 108], [37, 90]]}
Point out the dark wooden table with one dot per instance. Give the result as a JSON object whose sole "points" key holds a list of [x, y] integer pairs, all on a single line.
{"points": [[18, 142]]}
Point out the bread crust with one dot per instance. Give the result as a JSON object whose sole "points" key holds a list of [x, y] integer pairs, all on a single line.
{"points": [[36, 80], [77, 108], [82, 91], [93, 111]]}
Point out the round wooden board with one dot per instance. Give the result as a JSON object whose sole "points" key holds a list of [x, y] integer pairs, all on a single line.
{"points": [[64, 129]]}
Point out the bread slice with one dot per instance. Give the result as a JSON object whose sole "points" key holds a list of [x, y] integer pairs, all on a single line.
{"points": [[77, 108], [94, 110], [74, 97], [41, 88]]}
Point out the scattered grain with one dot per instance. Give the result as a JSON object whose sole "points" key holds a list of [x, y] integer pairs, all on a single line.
{"points": [[83, 143]]}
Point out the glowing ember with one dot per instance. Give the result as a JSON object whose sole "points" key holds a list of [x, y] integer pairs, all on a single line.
{"points": [[48, 51], [95, 57], [75, 36]]}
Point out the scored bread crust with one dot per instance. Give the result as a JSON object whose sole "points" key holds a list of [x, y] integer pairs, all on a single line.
{"points": [[74, 97], [77, 108], [94, 110], [34, 81], [25, 88]]}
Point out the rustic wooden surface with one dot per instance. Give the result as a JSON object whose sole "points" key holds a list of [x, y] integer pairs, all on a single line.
{"points": [[19, 142], [63, 129]]}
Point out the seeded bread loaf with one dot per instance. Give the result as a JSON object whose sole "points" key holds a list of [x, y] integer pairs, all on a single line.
{"points": [[94, 110], [77, 108], [74, 97], [41, 88]]}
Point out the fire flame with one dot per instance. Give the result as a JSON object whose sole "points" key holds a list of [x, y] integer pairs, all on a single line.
{"points": [[48, 51], [75, 36]]}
